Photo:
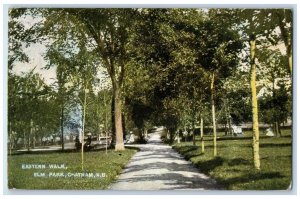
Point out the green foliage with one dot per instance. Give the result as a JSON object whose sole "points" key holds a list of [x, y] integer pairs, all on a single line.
{"points": [[276, 107], [98, 112]]}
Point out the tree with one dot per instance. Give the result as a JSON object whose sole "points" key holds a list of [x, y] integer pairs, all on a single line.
{"points": [[286, 27], [275, 101], [255, 26], [111, 37], [17, 37], [282, 19], [105, 31], [27, 103], [137, 91], [171, 59], [222, 45], [57, 58], [237, 94]]}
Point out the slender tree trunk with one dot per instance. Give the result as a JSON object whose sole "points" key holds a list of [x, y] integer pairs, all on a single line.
{"points": [[106, 138], [10, 137], [34, 138], [30, 133], [228, 119], [105, 112], [24, 138], [193, 129], [279, 129], [274, 128], [105, 122], [230, 127], [277, 125], [83, 129], [255, 144], [62, 128], [113, 124], [213, 114], [118, 119], [185, 136], [123, 127], [28, 141], [290, 56], [10, 141], [201, 134]]}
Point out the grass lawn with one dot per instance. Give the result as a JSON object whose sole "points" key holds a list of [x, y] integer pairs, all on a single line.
{"points": [[233, 167], [95, 162]]}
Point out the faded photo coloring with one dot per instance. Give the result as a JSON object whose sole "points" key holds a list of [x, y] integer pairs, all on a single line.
{"points": [[149, 99]]}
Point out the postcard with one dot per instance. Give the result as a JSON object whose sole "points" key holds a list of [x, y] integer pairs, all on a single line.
{"points": [[149, 98]]}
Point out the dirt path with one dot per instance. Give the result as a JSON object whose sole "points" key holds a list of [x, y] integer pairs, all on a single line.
{"points": [[158, 167]]}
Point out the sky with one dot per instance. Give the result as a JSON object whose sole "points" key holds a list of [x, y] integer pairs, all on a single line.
{"points": [[35, 53]]}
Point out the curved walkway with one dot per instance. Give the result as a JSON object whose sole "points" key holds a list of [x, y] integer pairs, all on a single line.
{"points": [[158, 167]]}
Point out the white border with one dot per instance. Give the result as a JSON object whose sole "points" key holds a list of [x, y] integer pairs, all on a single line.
{"points": [[149, 3]]}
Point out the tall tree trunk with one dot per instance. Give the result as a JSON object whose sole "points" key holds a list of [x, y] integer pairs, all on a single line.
{"points": [[123, 127], [30, 133], [193, 130], [10, 137], [118, 119], [24, 140], [290, 56], [105, 112], [28, 142], [201, 134], [255, 143], [105, 122], [83, 128], [34, 138], [213, 113], [62, 128], [113, 126], [228, 119]]}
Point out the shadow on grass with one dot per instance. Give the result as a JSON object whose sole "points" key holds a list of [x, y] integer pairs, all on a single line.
{"points": [[185, 149], [277, 157], [188, 156], [210, 165], [275, 145], [238, 161], [252, 177], [189, 151], [286, 136], [133, 147]]}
